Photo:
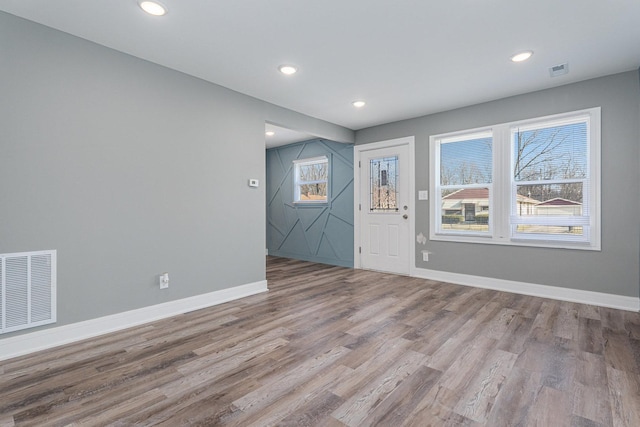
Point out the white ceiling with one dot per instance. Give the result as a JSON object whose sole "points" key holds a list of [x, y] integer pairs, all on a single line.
{"points": [[406, 58], [284, 136]]}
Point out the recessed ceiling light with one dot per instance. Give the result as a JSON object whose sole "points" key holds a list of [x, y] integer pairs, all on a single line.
{"points": [[269, 133], [358, 104], [153, 8], [287, 69], [522, 56]]}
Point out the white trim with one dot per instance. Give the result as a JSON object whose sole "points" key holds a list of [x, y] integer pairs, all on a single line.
{"points": [[53, 337], [409, 141], [311, 160], [384, 144], [543, 291], [356, 207]]}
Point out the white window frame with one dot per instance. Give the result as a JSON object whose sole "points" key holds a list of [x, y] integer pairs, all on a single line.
{"points": [[297, 182], [502, 193], [437, 192]]}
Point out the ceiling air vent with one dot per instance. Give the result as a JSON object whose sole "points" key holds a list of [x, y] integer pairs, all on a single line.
{"points": [[559, 70]]}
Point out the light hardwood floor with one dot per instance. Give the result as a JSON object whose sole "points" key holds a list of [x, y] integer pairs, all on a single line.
{"points": [[330, 346]]}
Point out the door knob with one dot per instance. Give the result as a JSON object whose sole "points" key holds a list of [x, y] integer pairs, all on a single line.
{"points": [[405, 216]]}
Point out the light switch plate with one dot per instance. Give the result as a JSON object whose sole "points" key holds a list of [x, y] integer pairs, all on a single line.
{"points": [[254, 183], [423, 195]]}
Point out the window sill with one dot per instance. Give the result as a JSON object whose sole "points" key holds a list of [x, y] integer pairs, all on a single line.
{"points": [[310, 204], [529, 243]]}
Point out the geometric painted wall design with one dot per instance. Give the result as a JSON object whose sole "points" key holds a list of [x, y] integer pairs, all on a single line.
{"points": [[319, 232]]}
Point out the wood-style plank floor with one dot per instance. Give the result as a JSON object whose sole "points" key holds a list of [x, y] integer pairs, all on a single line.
{"points": [[330, 346]]}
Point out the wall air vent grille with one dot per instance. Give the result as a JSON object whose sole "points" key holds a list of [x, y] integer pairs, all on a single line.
{"points": [[27, 290]]}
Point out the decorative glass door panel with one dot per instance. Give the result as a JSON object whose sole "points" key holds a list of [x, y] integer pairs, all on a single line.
{"points": [[383, 184]]}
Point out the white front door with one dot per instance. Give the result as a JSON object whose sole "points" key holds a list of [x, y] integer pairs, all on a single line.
{"points": [[385, 208]]}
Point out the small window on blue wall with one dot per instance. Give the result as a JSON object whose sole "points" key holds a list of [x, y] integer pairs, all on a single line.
{"points": [[311, 179]]}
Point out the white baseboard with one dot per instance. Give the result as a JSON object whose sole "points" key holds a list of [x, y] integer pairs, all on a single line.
{"points": [[544, 291], [53, 337]]}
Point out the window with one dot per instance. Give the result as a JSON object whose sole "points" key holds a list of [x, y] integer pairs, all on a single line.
{"points": [[465, 183], [311, 180], [534, 182], [383, 189]]}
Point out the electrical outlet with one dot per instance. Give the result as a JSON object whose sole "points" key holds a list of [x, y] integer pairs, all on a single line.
{"points": [[164, 280], [425, 255]]}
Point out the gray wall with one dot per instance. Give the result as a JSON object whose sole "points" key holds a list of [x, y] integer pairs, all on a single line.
{"points": [[129, 170], [613, 270], [320, 232]]}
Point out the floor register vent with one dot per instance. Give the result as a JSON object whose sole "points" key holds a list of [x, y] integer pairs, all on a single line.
{"points": [[27, 290]]}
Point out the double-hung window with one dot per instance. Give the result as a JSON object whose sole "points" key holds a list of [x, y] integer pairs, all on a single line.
{"points": [[465, 183], [311, 178], [532, 182]]}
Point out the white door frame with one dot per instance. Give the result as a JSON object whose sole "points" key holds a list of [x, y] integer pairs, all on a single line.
{"points": [[409, 141]]}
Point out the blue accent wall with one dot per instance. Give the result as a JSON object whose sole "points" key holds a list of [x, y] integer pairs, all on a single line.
{"points": [[313, 232]]}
